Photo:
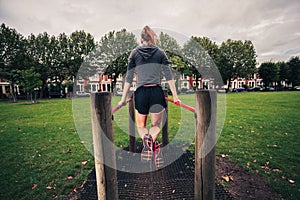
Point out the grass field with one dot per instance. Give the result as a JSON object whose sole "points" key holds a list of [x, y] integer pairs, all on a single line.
{"points": [[261, 133], [43, 152]]}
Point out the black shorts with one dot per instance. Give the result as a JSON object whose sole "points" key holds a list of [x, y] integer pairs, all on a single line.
{"points": [[149, 99]]}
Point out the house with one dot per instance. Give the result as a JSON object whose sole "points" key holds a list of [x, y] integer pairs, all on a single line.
{"points": [[253, 81], [6, 88], [102, 82]]}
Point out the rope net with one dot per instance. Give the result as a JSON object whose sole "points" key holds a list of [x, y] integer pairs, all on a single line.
{"points": [[176, 181]]}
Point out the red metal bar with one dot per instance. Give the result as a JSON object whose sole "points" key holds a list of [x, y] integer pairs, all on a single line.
{"points": [[115, 109], [181, 105]]}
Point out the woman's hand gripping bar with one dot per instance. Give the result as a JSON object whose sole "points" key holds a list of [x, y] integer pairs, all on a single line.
{"points": [[115, 109]]}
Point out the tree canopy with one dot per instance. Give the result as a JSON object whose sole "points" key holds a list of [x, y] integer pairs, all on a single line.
{"points": [[237, 60], [12, 56], [58, 59], [110, 56], [268, 71], [294, 70], [275, 72]]}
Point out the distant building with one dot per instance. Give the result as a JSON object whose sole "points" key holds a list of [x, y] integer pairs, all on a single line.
{"points": [[101, 82], [6, 88], [254, 81]]}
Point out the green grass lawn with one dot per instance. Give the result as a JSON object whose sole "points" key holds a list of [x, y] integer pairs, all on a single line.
{"points": [[44, 155], [261, 133], [41, 154]]}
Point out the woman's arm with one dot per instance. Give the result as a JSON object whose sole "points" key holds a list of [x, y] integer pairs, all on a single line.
{"points": [[173, 90], [125, 92], [128, 78]]}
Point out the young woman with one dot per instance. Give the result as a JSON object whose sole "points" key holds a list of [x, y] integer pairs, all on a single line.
{"points": [[148, 62]]}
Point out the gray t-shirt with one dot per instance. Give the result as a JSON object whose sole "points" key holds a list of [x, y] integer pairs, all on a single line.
{"points": [[150, 64]]}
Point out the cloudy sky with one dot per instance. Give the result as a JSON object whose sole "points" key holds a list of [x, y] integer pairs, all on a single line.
{"points": [[272, 25]]}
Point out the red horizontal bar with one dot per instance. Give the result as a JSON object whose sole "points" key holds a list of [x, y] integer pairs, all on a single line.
{"points": [[181, 105], [115, 109]]}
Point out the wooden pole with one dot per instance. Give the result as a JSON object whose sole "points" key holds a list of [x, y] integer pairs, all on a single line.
{"points": [[205, 144], [104, 152], [131, 122], [165, 136]]}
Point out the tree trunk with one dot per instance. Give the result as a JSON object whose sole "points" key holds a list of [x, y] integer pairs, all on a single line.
{"points": [[114, 83], [229, 84], [13, 93], [35, 100], [43, 89]]}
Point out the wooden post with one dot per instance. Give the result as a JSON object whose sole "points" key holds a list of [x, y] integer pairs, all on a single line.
{"points": [[104, 152], [165, 136], [131, 122], [205, 144]]}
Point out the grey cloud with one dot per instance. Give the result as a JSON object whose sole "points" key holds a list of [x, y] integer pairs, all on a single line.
{"points": [[272, 25]]}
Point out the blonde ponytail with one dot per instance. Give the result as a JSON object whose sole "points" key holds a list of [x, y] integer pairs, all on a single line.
{"points": [[148, 35]]}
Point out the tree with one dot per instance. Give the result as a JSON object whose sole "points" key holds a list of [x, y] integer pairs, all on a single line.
{"points": [[12, 48], [39, 50], [237, 60], [283, 72], [56, 70], [212, 59], [111, 54], [117, 47], [173, 52], [172, 49], [168, 44], [269, 72], [31, 82], [199, 63], [58, 58], [209, 46], [64, 62], [294, 70], [81, 44]]}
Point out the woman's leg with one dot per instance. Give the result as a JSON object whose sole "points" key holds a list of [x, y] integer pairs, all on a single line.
{"points": [[141, 123], [156, 122]]}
